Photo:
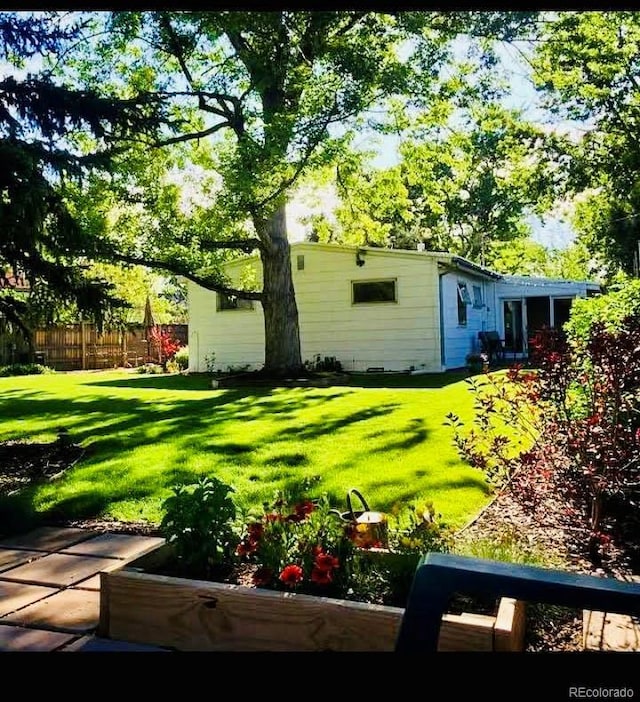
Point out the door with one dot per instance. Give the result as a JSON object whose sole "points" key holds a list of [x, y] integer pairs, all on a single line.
{"points": [[512, 311], [538, 314]]}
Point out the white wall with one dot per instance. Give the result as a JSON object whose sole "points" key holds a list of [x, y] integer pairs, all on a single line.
{"points": [[235, 336], [393, 336], [461, 340]]}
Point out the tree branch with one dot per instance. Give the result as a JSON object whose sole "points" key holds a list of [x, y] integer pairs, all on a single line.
{"points": [[177, 269], [193, 135], [247, 245]]}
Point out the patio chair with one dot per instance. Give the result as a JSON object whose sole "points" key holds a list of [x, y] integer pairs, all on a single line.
{"points": [[492, 345]]}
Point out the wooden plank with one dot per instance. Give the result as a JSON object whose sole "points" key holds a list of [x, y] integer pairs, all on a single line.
{"points": [[192, 615], [510, 625], [466, 632], [610, 632]]}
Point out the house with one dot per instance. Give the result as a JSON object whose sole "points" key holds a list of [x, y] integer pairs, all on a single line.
{"points": [[388, 309]]}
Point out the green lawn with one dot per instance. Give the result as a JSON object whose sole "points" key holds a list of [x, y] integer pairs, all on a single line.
{"points": [[143, 434]]}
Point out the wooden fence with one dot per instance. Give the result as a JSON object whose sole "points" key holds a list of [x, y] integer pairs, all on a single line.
{"points": [[81, 346]]}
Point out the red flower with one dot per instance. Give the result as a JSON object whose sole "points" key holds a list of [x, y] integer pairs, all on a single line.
{"points": [[255, 531], [320, 577], [291, 575], [304, 508], [262, 576], [273, 517], [326, 562], [638, 436]]}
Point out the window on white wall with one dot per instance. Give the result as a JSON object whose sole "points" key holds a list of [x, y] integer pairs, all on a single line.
{"points": [[231, 302], [477, 297]]}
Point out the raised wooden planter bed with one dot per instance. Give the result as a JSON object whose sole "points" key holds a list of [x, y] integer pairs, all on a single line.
{"points": [[197, 615]]}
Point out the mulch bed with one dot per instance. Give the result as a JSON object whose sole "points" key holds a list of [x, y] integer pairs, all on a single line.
{"points": [[549, 628]]}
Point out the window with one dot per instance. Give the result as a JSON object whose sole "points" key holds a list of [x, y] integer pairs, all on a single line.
{"points": [[477, 297], [231, 302], [300, 263], [373, 291], [463, 299]]}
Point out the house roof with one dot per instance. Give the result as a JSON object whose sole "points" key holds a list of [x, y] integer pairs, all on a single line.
{"points": [[445, 259]]}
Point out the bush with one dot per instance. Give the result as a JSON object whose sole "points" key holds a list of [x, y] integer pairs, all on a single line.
{"points": [[608, 310], [573, 427], [25, 369], [199, 522], [150, 368], [181, 358]]}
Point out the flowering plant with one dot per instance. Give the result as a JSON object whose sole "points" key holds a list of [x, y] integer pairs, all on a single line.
{"points": [[299, 547]]}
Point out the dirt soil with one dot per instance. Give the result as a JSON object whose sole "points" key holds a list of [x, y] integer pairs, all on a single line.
{"points": [[549, 628]]}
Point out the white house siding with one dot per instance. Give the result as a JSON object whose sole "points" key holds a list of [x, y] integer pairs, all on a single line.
{"points": [[461, 340], [235, 336], [394, 336]]}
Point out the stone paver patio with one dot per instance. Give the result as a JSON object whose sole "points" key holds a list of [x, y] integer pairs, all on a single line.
{"points": [[50, 587]]}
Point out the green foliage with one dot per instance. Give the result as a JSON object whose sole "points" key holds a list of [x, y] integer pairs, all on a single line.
{"points": [[610, 310], [585, 62], [210, 362], [25, 369], [44, 125], [150, 369], [181, 358], [198, 522], [507, 544], [465, 189]]}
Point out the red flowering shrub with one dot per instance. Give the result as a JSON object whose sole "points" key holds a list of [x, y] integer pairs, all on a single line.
{"points": [[164, 344], [574, 425]]}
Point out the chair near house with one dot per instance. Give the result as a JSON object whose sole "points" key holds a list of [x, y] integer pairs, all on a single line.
{"points": [[491, 344]]}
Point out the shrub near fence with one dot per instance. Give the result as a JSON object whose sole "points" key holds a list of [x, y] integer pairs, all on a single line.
{"points": [[81, 346]]}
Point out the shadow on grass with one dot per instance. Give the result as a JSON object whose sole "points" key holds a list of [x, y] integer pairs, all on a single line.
{"points": [[405, 380], [109, 427], [158, 382]]}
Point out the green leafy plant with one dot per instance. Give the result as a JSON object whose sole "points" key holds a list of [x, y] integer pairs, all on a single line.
{"points": [[150, 369], [199, 523], [210, 362], [413, 530], [181, 358], [25, 369]]}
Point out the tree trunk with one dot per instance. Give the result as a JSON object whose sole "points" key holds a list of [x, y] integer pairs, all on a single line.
{"points": [[281, 330]]}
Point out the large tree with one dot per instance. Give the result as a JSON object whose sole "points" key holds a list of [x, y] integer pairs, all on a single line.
{"points": [[588, 65], [275, 93], [462, 188], [39, 121]]}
